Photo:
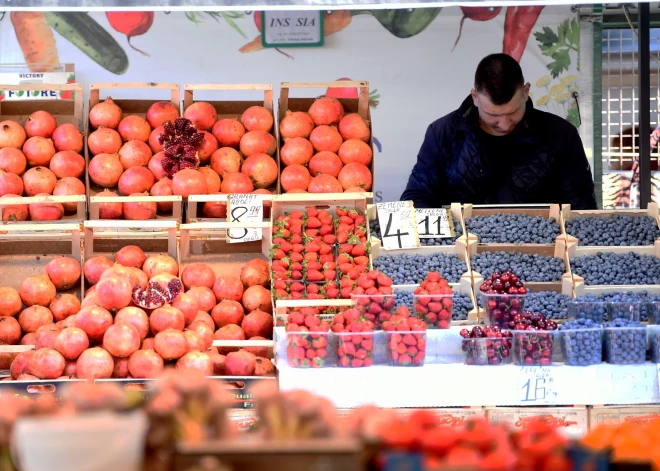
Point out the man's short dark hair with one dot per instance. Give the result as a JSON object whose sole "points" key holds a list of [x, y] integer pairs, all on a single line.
{"points": [[498, 76]]}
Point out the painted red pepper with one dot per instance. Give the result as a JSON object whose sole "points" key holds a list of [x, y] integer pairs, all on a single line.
{"points": [[518, 26]]}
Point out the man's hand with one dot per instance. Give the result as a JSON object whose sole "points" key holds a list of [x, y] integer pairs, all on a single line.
{"points": [[655, 137]]}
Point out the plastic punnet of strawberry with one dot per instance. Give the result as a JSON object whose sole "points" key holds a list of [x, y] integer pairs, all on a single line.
{"points": [[355, 339], [433, 301], [282, 289], [307, 341], [406, 340], [319, 223]]}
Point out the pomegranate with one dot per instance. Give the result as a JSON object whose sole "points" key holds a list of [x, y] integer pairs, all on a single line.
{"points": [[64, 272], [161, 112], [257, 351], [121, 368], [255, 272], [69, 186], [257, 297], [355, 174], [135, 180], [68, 137], [326, 111], [39, 180], [94, 363], [217, 360], [195, 361], [326, 138], [71, 342], [208, 146], [355, 150], [45, 211], [94, 267], [258, 142], [121, 340], [10, 331], [12, 134], [64, 306], [262, 170], [130, 274], [10, 184], [105, 114], [12, 160], [170, 344], [195, 341], [228, 132], [188, 182], [70, 369], [130, 256], [136, 317], [325, 184], [67, 164], [202, 114], [148, 344], [188, 306], [296, 124], [212, 179], [228, 287], [204, 331], [229, 332], [258, 324], [226, 160], [40, 124], [105, 170], [204, 297], [215, 209], [69, 321], [38, 151], [21, 364], [204, 318], [227, 312], [134, 154], [10, 302], [154, 143], [166, 317], [134, 128], [297, 150], [257, 118], [161, 263], [45, 336], [236, 182], [163, 188], [156, 166], [47, 363], [37, 290], [104, 141], [89, 300], [14, 212], [295, 177], [197, 274], [145, 364], [240, 363], [325, 163], [27, 377], [264, 367], [94, 320], [113, 293], [354, 126], [140, 210]]}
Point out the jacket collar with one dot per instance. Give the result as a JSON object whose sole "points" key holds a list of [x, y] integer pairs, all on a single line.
{"points": [[466, 118]]}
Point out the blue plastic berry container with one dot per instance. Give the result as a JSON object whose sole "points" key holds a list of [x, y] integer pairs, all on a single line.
{"points": [[593, 311], [653, 332], [582, 342], [625, 342]]}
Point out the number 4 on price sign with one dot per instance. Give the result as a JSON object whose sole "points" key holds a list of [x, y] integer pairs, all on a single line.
{"points": [[398, 226]]}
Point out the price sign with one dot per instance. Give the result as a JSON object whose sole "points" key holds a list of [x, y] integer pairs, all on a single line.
{"points": [[537, 385], [245, 208], [434, 223], [397, 225]]}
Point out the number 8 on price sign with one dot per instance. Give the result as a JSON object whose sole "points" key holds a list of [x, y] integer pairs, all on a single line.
{"points": [[246, 209], [398, 226]]}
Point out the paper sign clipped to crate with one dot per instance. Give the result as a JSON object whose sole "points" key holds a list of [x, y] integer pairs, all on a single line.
{"points": [[434, 223], [398, 225], [246, 209]]}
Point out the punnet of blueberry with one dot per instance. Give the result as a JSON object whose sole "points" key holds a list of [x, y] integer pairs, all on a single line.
{"points": [[625, 342], [618, 230], [486, 345], [654, 342], [528, 267], [588, 307], [582, 342], [617, 269], [412, 269], [503, 228], [504, 298], [374, 228], [649, 303]]}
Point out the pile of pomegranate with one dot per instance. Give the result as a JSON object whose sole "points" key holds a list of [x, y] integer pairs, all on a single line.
{"points": [[325, 151], [164, 154], [40, 159]]}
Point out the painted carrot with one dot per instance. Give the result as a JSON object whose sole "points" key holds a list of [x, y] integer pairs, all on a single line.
{"points": [[36, 40], [518, 26]]}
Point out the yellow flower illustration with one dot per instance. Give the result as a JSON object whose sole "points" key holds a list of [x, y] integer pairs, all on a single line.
{"points": [[544, 100], [557, 89], [569, 80], [563, 98], [543, 81]]}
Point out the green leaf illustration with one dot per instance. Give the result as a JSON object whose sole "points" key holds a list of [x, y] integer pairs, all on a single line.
{"points": [[573, 117], [546, 37], [230, 21], [558, 45], [561, 63]]}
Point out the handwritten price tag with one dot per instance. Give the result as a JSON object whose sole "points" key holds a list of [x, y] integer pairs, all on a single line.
{"points": [[434, 223], [537, 385], [246, 209], [397, 224]]}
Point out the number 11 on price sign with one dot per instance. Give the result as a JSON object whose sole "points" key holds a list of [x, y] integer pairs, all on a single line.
{"points": [[397, 225], [246, 209]]}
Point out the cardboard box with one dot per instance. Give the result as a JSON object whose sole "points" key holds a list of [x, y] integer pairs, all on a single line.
{"points": [[614, 415], [453, 416], [520, 417]]}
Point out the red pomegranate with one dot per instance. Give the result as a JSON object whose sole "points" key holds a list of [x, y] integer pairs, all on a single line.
{"points": [[212, 179], [217, 360], [134, 128], [94, 363], [12, 160], [64, 272], [240, 363], [255, 272], [45, 211], [69, 186], [215, 209], [37, 290], [12, 134], [156, 166], [89, 300], [295, 177], [229, 332], [14, 212], [121, 340], [163, 188], [228, 287], [45, 336], [236, 182], [258, 324], [154, 144], [68, 137], [262, 170], [166, 317], [64, 306], [47, 363], [110, 210], [188, 306], [39, 180], [145, 364], [257, 351], [325, 138], [21, 364], [326, 111], [94, 267], [94, 320], [257, 118], [38, 151], [135, 180], [105, 114], [69, 321], [148, 344], [202, 114], [71, 342], [10, 302], [10, 184], [105, 170], [228, 132], [140, 210], [297, 150], [161, 112], [204, 331], [170, 344], [104, 141], [354, 126], [41, 124], [264, 367], [10, 331], [325, 163], [204, 318], [227, 312], [226, 160], [325, 184], [355, 174], [195, 341], [208, 146], [130, 256], [69, 369], [197, 274], [188, 182], [67, 164], [113, 293], [136, 317], [161, 263], [296, 124], [355, 150], [121, 368], [257, 142], [134, 154], [257, 297], [204, 297], [195, 361]]}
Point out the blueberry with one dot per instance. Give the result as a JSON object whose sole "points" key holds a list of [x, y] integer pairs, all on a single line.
{"points": [[625, 342], [618, 230], [528, 267], [513, 229], [581, 342], [617, 269], [415, 267]]}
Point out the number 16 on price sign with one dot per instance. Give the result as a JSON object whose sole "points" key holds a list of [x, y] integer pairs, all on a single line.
{"points": [[245, 209], [397, 225]]}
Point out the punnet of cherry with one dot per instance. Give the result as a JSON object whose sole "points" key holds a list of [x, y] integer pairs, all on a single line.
{"points": [[504, 298]]}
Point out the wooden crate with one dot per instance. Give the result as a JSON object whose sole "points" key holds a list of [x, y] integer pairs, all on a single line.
{"points": [[65, 111], [358, 105], [132, 106]]}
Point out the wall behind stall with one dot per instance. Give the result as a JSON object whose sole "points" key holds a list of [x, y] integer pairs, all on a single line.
{"points": [[414, 74]]}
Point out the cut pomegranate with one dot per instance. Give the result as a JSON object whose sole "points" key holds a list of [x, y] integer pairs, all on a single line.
{"points": [[156, 295]]}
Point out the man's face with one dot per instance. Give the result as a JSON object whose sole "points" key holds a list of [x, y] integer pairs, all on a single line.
{"points": [[500, 120]]}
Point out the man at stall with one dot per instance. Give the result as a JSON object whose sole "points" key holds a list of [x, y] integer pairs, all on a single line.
{"points": [[498, 149]]}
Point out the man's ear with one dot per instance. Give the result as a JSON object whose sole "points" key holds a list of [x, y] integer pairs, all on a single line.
{"points": [[474, 97], [526, 90]]}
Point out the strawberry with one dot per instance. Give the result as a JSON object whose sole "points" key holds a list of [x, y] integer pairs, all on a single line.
{"points": [[313, 223]]}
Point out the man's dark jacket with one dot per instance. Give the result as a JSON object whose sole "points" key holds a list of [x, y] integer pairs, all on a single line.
{"points": [[547, 163]]}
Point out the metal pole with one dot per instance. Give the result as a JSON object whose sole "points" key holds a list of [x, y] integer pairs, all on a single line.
{"points": [[644, 68]]}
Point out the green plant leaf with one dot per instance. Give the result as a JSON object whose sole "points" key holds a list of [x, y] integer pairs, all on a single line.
{"points": [[233, 24], [573, 117], [573, 34], [546, 37], [561, 63]]}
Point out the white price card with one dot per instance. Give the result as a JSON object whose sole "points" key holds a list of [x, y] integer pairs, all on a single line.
{"points": [[536, 385], [397, 225], [246, 209], [434, 223]]}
